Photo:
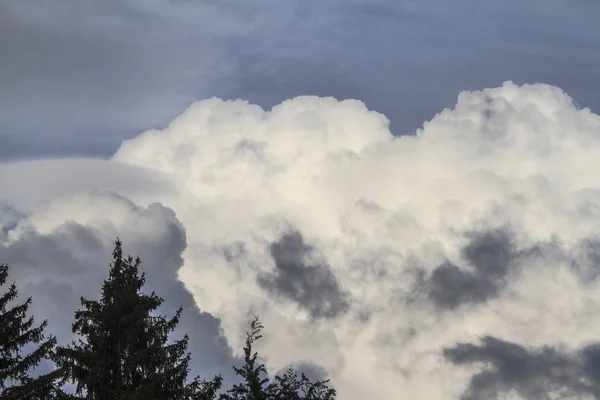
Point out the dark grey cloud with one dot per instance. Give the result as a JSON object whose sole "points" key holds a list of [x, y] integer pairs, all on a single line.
{"points": [[56, 269], [490, 253], [492, 257], [450, 287], [488, 256], [301, 275], [78, 77], [533, 373]]}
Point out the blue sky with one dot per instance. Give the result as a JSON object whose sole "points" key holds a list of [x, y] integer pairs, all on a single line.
{"points": [[76, 78]]}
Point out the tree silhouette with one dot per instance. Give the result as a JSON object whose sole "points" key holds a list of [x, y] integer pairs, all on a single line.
{"points": [[256, 384], [123, 352], [17, 331]]}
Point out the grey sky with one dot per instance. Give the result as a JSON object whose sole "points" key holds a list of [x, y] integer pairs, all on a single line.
{"points": [[77, 77]]}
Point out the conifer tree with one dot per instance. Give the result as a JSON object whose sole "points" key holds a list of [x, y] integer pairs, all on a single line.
{"points": [[256, 384], [16, 331], [290, 386], [123, 352]]}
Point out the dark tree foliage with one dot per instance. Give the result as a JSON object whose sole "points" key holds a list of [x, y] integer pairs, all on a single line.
{"points": [[292, 387], [123, 352], [201, 389], [16, 331], [256, 385]]}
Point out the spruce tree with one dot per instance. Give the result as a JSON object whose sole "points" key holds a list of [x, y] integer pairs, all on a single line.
{"points": [[123, 352], [290, 386], [256, 384], [16, 331]]}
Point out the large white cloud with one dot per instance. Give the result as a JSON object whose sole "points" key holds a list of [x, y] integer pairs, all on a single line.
{"points": [[371, 255], [319, 190]]}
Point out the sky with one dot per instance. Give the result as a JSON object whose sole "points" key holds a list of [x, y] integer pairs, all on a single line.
{"points": [[406, 192], [78, 77]]}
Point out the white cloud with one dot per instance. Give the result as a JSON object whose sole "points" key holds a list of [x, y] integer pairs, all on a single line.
{"points": [[378, 209], [378, 216]]}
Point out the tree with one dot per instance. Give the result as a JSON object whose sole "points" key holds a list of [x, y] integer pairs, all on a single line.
{"points": [[257, 386], [16, 332], [201, 389], [292, 387], [123, 352]]}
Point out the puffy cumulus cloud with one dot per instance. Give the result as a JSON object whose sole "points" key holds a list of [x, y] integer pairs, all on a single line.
{"points": [[61, 251], [373, 256]]}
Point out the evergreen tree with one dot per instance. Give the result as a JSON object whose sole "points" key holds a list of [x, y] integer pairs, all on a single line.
{"points": [[200, 389], [256, 384], [123, 352], [292, 387], [17, 331]]}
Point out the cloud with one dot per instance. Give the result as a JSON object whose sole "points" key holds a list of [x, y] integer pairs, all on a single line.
{"points": [[489, 255], [364, 253], [310, 283], [493, 204], [545, 373], [33, 183], [395, 66]]}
